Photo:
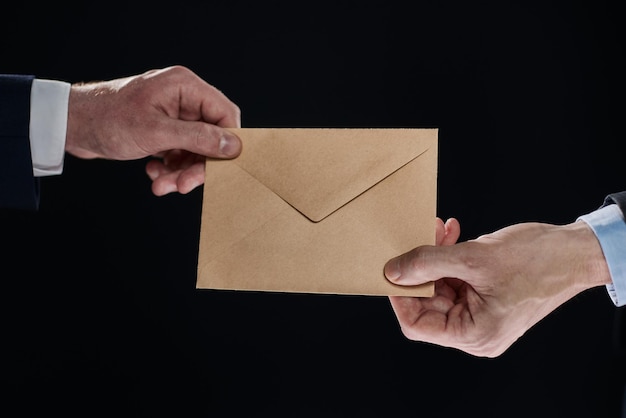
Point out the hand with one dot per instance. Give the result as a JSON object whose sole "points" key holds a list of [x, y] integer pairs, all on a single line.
{"points": [[171, 114], [490, 291]]}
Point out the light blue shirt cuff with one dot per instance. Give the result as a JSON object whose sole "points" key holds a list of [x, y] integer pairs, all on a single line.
{"points": [[49, 103], [610, 229]]}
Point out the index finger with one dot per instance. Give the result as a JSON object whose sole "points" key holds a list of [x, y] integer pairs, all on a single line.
{"points": [[197, 100], [214, 107]]}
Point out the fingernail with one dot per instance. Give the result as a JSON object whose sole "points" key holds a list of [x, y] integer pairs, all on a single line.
{"points": [[191, 185], [152, 172], [392, 270], [229, 145]]}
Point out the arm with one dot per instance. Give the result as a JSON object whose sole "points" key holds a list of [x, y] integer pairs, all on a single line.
{"points": [[608, 225], [491, 290], [170, 114], [18, 187]]}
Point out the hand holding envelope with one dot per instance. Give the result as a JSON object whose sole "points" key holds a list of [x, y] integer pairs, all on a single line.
{"points": [[318, 210]]}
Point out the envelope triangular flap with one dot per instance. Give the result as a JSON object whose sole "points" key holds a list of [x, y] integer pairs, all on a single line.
{"points": [[318, 170]]}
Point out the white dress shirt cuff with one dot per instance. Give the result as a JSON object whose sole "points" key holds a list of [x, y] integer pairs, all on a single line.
{"points": [[610, 229], [48, 125]]}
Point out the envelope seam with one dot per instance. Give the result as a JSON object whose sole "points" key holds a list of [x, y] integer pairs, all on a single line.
{"points": [[347, 201], [375, 184], [261, 225]]}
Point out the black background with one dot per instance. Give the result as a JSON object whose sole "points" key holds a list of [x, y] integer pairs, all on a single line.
{"points": [[100, 315]]}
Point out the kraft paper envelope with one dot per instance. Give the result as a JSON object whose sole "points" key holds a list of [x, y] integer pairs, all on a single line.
{"points": [[318, 210]]}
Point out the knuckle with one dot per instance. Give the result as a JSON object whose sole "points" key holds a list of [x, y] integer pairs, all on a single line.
{"points": [[236, 111], [417, 260], [410, 333], [207, 137]]}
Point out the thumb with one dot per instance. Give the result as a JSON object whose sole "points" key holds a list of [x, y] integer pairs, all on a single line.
{"points": [[203, 139], [398, 269], [425, 264]]}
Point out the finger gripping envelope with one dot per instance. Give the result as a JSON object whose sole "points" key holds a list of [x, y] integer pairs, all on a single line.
{"points": [[318, 210]]}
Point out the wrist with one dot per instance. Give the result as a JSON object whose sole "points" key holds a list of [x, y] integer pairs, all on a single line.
{"points": [[78, 116], [590, 265]]}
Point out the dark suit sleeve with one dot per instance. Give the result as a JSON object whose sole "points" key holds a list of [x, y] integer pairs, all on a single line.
{"points": [[617, 198], [620, 314], [19, 189]]}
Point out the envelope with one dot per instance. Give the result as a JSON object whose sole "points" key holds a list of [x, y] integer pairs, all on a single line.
{"points": [[318, 210]]}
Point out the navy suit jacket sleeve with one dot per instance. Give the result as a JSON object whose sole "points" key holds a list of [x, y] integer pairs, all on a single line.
{"points": [[19, 188]]}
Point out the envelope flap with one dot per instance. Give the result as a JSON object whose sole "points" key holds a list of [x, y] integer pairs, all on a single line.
{"points": [[319, 170]]}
